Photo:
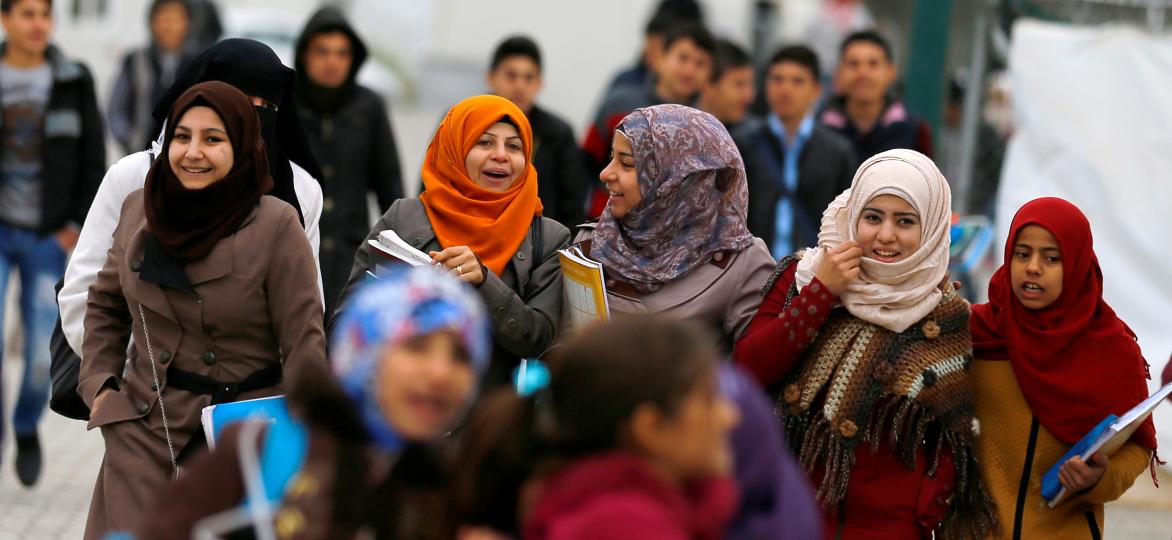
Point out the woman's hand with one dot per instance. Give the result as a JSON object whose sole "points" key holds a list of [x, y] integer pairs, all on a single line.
{"points": [[462, 261], [840, 266], [100, 398], [1077, 475]]}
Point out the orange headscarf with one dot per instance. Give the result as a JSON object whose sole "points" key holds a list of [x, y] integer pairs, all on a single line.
{"points": [[491, 223]]}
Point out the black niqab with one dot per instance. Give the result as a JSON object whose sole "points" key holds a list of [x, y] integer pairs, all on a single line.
{"points": [[253, 68]]}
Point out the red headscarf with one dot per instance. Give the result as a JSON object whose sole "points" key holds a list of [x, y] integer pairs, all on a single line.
{"points": [[1075, 361], [491, 223]]}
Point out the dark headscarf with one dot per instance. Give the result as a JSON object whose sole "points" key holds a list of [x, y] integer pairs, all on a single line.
{"points": [[1075, 360], [253, 68], [695, 200], [188, 223], [327, 20]]}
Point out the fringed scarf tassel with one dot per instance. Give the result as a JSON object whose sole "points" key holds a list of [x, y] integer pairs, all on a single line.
{"points": [[972, 512]]}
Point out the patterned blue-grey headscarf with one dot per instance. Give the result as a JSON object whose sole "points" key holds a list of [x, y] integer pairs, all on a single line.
{"points": [[695, 199], [403, 303]]}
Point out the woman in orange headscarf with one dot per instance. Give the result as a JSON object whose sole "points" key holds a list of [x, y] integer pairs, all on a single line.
{"points": [[479, 215]]}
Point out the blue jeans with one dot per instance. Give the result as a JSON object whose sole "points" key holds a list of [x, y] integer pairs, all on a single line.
{"points": [[41, 262]]}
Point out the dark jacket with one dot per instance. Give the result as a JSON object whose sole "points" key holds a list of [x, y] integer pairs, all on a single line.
{"points": [[349, 132], [562, 179], [896, 128], [73, 156], [825, 169], [617, 495], [524, 303]]}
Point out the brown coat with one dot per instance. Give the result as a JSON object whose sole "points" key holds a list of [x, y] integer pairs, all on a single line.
{"points": [[255, 303]]}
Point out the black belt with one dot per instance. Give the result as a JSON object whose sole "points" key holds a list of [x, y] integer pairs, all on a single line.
{"points": [[223, 392]]}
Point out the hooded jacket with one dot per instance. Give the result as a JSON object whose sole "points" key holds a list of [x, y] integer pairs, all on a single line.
{"points": [[349, 133]]}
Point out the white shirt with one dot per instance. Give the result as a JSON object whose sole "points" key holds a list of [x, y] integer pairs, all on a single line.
{"points": [[97, 235]]}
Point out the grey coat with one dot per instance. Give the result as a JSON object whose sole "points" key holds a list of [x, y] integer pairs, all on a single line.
{"points": [[525, 302], [722, 295]]}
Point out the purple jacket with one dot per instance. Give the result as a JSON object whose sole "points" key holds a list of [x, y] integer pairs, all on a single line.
{"points": [[776, 499]]}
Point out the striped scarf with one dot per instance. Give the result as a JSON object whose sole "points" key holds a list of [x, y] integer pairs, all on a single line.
{"points": [[908, 386]]}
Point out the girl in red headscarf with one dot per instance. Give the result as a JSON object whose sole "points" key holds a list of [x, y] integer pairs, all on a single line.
{"points": [[1051, 361]]}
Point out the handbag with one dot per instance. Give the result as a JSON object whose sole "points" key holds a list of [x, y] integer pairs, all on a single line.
{"points": [[64, 369]]}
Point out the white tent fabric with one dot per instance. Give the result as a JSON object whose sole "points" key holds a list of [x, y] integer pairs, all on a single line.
{"points": [[1094, 126]]}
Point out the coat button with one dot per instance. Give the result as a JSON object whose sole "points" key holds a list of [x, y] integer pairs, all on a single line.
{"points": [[327, 204], [512, 323], [500, 309], [327, 243], [416, 241], [327, 171], [165, 357], [135, 265], [154, 386], [520, 256], [142, 409], [208, 358]]}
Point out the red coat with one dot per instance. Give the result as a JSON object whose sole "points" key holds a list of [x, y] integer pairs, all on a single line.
{"points": [[884, 499], [617, 496]]}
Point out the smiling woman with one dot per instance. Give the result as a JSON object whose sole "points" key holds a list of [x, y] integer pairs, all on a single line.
{"points": [[480, 217], [200, 152], [216, 283], [498, 157], [861, 333]]}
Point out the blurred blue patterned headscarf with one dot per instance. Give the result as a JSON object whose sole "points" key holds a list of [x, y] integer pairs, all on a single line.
{"points": [[402, 304], [695, 199]]}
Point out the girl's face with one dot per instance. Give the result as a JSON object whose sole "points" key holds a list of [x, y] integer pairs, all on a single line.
{"points": [[497, 158], [425, 383], [200, 153], [620, 178], [889, 229], [694, 441], [1035, 271]]}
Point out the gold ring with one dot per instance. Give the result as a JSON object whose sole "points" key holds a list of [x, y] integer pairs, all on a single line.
{"points": [[460, 268]]}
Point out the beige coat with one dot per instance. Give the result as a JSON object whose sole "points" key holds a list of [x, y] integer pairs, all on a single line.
{"points": [[723, 294], [255, 302]]}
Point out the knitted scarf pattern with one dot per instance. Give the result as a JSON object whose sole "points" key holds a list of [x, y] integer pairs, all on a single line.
{"points": [[908, 386]]}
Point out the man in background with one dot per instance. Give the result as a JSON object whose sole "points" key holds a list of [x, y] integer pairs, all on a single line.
{"points": [[795, 166], [729, 91], [514, 73], [52, 157], [147, 72], [866, 112], [349, 132]]}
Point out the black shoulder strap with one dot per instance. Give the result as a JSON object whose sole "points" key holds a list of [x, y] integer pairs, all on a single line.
{"points": [[538, 241]]}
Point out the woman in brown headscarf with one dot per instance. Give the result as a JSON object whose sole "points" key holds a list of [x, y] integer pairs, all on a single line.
{"points": [[216, 283], [480, 217]]}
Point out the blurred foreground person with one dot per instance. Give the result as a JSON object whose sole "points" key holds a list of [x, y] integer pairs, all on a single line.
{"points": [[630, 439], [360, 458]]}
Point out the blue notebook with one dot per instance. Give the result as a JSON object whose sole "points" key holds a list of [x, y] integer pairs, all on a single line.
{"points": [[1051, 487], [215, 417], [1106, 437]]}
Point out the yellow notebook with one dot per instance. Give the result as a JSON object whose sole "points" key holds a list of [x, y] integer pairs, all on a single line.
{"points": [[585, 287]]}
